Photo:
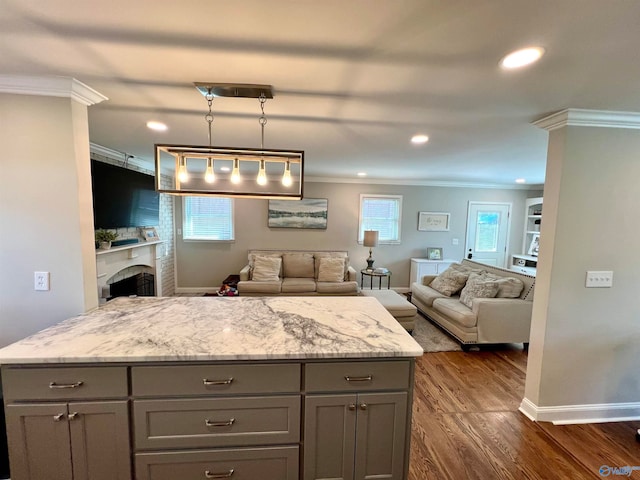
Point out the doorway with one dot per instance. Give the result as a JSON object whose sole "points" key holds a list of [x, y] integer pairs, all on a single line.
{"points": [[488, 227]]}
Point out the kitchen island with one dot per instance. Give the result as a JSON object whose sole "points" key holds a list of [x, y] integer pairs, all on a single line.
{"points": [[241, 388]]}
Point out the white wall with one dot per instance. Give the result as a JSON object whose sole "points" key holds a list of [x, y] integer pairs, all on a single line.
{"points": [[46, 222], [586, 341], [203, 265]]}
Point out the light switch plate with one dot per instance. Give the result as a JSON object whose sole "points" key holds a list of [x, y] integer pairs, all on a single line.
{"points": [[599, 279]]}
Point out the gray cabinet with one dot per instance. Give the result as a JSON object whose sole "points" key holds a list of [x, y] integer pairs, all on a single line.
{"points": [[355, 436], [75, 441]]}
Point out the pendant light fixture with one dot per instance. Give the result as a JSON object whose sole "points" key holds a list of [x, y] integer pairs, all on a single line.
{"points": [[193, 167]]}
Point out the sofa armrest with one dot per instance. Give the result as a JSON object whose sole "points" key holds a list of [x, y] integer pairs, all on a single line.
{"points": [[427, 279], [244, 273], [352, 275], [503, 320]]}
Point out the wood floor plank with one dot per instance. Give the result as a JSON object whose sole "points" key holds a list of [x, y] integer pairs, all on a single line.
{"points": [[466, 425]]}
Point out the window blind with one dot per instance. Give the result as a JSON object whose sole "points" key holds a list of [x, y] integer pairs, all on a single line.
{"points": [[381, 213], [207, 218]]}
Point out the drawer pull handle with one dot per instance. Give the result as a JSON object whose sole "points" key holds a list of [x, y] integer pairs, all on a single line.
{"points": [[208, 474], [73, 415], [352, 406], [228, 423], [58, 417], [366, 378], [208, 382], [363, 406], [54, 385]]}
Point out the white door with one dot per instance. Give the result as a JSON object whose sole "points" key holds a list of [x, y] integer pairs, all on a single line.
{"points": [[488, 232]]}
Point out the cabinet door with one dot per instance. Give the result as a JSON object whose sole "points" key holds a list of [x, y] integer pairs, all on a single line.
{"points": [[329, 437], [380, 436], [39, 445], [100, 440]]}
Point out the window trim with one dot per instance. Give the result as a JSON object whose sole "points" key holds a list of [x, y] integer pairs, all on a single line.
{"points": [[231, 215], [363, 197]]}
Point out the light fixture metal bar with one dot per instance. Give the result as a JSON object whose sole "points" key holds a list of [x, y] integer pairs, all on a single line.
{"points": [[234, 90]]}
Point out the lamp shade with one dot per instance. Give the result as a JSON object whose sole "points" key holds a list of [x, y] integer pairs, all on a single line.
{"points": [[370, 238]]}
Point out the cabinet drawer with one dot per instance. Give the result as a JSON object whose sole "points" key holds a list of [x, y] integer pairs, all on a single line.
{"points": [[357, 376], [215, 379], [65, 383], [237, 464], [216, 422]]}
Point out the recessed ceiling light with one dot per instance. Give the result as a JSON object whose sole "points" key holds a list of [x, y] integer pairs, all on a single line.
{"points": [[362, 174], [520, 180], [225, 169], [522, 57], [158, 126], [419, 139]]}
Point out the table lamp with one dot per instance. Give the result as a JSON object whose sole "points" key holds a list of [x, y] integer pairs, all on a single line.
{"points": [[370, 240]]}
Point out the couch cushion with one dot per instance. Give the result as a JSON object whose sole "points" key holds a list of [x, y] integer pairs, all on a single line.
{"points": [[478, 286], [425, 294], [337, 288], [259, 287], [266, 269], [508, 287], [456, 311], [298, 285], [298, 265], [331, 269], [450, 281], [318, 256]]}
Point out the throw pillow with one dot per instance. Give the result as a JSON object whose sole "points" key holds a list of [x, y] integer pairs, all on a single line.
{"points": [[450, 281], [508, 287], [298, 265], [331, 269], [478, 287], [320, 255], [266, 269]]}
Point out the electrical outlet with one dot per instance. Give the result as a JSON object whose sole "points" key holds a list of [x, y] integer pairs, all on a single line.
{"points": [[602, 279], [41, 280], [455, 241]]}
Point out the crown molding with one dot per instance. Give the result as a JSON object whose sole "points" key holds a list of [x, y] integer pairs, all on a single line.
{"points": [[120, 157], [423, 183], [51, 87], [589, 118]]}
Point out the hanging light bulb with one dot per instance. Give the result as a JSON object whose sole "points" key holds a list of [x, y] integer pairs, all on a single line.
{"points": [[209, 176], [235, 174], [262, 174], [286, 177], [183, 174]]}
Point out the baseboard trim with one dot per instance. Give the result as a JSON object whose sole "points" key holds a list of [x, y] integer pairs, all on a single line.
{"points": [[574, 414], [196, 289]]}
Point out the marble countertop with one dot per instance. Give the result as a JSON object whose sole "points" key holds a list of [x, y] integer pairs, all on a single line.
{"points": [[146, 329]]}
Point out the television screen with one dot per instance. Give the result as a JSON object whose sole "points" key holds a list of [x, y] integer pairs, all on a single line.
{"points": [[122, 197]]}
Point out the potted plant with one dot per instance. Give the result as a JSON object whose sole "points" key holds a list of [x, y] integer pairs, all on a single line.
{"points": [[104, 238]]}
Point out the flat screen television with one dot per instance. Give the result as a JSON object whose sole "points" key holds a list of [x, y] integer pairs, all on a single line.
{"points": [[123, 197]]}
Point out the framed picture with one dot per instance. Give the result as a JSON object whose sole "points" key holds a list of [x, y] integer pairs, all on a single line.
{"points": [[305, 213], [535, 245], [433, 221], [150, 234], [434, 253]]}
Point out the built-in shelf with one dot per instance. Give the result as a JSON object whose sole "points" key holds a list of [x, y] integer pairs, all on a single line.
{"points": [[524, 262]]}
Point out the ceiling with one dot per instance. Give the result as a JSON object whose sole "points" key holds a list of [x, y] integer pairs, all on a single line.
{"points": [[353, 79]]}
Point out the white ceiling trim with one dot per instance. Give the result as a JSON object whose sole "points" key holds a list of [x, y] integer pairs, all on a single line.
{"points": [[51, 87], [423, 183], [589, 118], [119, 156]]}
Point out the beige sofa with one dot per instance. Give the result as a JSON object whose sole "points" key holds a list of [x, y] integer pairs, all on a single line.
{"points": [[297, 272], [489, 320]]}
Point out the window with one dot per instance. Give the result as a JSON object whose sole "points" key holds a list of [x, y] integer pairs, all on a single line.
{"points": [[207, 218], [381, 213]]}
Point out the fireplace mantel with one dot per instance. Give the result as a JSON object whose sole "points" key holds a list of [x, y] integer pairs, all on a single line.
{"points": [[110, 262]]}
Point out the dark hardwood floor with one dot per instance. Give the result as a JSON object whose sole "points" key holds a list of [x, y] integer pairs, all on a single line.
{"points": [[466, 425]]}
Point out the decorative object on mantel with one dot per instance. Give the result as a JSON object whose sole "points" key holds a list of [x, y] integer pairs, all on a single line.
{"points": [[370, 240], [434, 253], [149, 234], [201, 170], [305, 213], [104, 238], [433, 221]]}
